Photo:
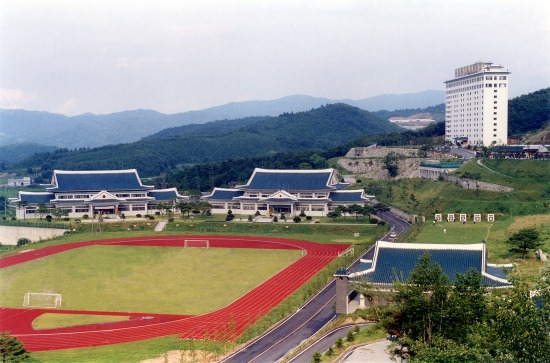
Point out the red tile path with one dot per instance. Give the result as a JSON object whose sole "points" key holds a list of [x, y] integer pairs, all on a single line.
{"points": [[224, 324]]}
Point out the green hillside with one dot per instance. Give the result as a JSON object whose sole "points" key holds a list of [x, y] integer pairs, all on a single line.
{"points": [[528, 112], [529, 178], [320, 128]]}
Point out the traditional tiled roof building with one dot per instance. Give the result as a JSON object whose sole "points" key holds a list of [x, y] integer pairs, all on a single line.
{"points": [[315, 192], [96, 192], [393, 262]]}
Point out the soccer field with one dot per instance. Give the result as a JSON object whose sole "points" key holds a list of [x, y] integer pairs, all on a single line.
{"points": [[170, 280]]}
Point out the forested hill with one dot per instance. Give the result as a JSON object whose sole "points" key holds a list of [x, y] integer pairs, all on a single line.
{"points": [[319, 128], [528, 112]]}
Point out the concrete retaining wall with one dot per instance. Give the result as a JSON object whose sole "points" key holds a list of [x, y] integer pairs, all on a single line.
{"points": [[471, 184], [9, 235]]}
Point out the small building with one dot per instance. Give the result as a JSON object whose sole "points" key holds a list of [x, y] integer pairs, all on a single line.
{"points": [[82, 193], [20, 182], [432, 170], [268, 191]]}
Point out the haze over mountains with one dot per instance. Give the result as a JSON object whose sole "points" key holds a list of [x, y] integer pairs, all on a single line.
{"points": [[90, 130]]}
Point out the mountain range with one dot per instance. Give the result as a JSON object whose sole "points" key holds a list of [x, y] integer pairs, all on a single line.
{"points": [[317, 129], [90, 130]]}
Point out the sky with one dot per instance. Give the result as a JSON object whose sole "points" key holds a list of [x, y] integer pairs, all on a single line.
{"points": [[73, 57]]}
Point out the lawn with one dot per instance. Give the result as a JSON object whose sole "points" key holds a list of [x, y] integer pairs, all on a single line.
{"points": [[496, 234], [144, 279]]}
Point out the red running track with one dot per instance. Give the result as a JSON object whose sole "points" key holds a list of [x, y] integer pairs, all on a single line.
{"points": [[225, 324]]}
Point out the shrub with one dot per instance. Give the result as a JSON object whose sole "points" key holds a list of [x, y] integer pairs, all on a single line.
{"points": [[373, 221], [339, 343], [302, 214], [195, 211], [66, 219], [297, 219], [309, 218], [257, 213], [151, 218], [138, 215], [23, 241], [250, 218], [170, 219], [77, 220], [229, 217], [157, 213], [85, 216], [381, 223], [330, 352], [275, 219], [229, 212], [350, 337], [13, 218], [316, 357]]}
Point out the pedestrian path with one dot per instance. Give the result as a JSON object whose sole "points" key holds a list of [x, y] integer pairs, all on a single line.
{"points": [[160, 226]]}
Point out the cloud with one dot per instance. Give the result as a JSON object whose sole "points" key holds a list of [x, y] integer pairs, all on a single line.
{"points": [[69, 108], [15, 98]]}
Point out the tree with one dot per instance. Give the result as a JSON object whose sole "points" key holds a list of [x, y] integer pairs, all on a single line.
{"points": [[355, 209], [517, 328], [57, 213], [22, 204], [42, 209], [185, 207], [163, 207], [334, 214], [204, 207], [12, 349], [390, 162], [195, 195], [342, 209], [524, 240]]}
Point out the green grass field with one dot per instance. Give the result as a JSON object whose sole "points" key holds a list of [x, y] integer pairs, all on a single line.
{"points": [[495, 234], [144, 279], [49, 321]]}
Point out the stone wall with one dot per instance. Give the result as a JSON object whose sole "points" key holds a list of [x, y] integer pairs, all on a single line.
{"points": [[9, 235], [467, 183]]}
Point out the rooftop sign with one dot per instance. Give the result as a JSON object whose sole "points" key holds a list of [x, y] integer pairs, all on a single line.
{"points": [[471, 69]]}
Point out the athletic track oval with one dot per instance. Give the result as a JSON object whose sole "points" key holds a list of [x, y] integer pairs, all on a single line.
{"points": [[225, 324]]}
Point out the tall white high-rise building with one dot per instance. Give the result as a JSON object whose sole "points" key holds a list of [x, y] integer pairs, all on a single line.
{"points": [[476, 105]]}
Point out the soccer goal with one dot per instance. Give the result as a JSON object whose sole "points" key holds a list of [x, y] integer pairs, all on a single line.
{"points": [[197, 243], [41, 300]]}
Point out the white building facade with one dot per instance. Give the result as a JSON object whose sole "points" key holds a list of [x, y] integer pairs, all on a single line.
{"points": [[476, 105], [105, 192]]}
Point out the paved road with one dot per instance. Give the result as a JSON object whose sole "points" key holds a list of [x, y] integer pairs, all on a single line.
{"points": [[276, 343], [307, 321], [399, 226]]}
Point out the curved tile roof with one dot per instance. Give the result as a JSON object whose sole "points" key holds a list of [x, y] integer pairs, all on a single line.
{"points": [[394, 261], [348, 196], [267, 179], [164, 194], [224, 194], [111, 180], [32, 198]]}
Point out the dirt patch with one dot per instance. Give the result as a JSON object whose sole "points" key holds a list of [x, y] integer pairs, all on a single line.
{"points": [[184, 356]]}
